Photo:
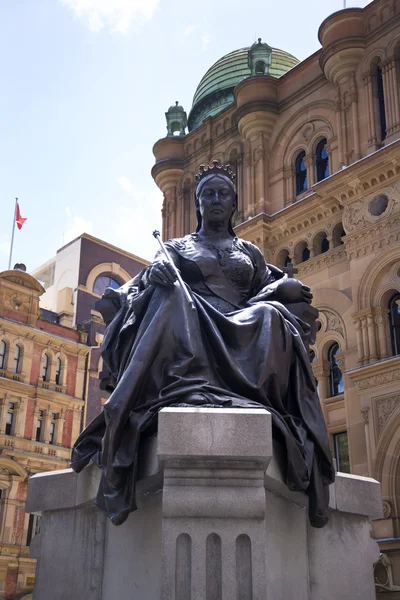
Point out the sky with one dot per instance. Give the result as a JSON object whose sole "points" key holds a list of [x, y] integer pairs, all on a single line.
{"points": [[85, 88]]}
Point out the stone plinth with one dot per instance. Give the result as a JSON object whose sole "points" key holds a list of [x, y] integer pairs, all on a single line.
{"points": [[215, 521]]}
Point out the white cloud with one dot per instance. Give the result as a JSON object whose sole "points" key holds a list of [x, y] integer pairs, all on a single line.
{"points": [[78, 226], [68, 211], [117, 15], [189, 29], [126, 184]]}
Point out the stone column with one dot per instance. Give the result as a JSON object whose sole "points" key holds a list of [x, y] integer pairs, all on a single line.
{"points": [[394, 86], [354, 116], [46, 426], [20, 417], [372, 139], [239, 184], [339, 127], [59, 428], [289, 191], [365, 416], [364, 332], [381, 319], [248, 199], [76, 423], [4, 405], [360, 345], [373, 355], [260, 169], [388, 96], [214, 543], [309, 162]]}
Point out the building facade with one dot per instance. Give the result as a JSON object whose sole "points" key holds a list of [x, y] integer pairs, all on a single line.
{"points": [[74, 280], [316, 150], [43, 387]]}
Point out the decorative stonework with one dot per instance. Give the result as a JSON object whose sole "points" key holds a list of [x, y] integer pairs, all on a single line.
{"points": [[387, 509], [333, 322], [322, 261], [359, 214], [373, 238], [365, 415], [379, 379], [384, 409]]}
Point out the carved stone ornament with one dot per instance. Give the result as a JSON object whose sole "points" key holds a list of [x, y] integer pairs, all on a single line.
{"points": [[365, 414], [380, 379], [4, 471], [384, 409], [387, 509], [334, 322], [372, 208]]}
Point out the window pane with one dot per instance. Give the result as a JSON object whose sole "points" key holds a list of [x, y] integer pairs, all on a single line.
{"points": [[9, 423], [17, 355], [45, 367], [336, 377], [52, 428], [301, 173], [322, 160], [394, 308], [103, 282], [2, 354], [341, 445], [39, 430]]}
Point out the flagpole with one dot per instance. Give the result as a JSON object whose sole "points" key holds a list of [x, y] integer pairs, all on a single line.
{"points": [[12, 235]]}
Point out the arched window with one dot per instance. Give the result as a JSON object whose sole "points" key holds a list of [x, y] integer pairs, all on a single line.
{"points": [[341, 450], [322, 160], [394, 312], [381, 103], [283, 259], [260, 67], [17, 359], [301, 173], [104, 281], [2, 354], [337, 234], [336, 384], [301, 252], [321, 243], [46, 368], [58, 371]]}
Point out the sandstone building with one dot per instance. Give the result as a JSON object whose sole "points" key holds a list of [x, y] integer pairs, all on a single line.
{"points": [[316, 150], [43, 388]]}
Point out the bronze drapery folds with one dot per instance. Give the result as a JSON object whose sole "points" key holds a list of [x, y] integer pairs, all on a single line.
{"points": [[241, 347]]}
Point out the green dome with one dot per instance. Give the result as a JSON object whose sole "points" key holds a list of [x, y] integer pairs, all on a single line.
{"points": [[215, 90]]}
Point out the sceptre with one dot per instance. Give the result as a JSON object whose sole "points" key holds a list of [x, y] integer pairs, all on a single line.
{"points": [[171, 262]]}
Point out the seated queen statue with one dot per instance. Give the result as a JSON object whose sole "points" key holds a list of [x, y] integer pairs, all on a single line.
{"points": [[240, 347]]}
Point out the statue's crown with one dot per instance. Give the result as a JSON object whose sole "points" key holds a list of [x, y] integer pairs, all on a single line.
{"points": [[216, 169]]}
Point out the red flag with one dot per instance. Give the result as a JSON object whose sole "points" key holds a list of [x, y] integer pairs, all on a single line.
{"points": [[18, 218]]}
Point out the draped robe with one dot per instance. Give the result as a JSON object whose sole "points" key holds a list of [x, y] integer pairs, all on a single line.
{"points": [[239, 348]]}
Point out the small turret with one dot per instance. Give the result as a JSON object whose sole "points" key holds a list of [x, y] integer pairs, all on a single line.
{"points": [[176, 120], [259, 58]]}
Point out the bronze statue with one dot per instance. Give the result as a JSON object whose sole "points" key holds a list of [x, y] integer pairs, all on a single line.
{"points": [[240, 347]]}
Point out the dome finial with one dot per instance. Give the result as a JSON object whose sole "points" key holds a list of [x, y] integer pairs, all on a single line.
{"points": [[259, 58], [259, 40]]}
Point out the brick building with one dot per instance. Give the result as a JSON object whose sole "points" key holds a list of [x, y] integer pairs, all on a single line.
{"points": [[74, 280], [43, 387], [316, 150]]}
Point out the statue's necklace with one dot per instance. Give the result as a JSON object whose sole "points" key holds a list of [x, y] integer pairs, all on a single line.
{"points": [[223, 254]]}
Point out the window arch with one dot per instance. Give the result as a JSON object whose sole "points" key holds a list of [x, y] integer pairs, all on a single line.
{"points": [[394, 317], [283, 258], [301, 252], [17, 359], [337, 234], [336, 384], [3, 350], [321, 243], [104, 281], [260, 67], [322, 160], [301, 173], [46, 368]]}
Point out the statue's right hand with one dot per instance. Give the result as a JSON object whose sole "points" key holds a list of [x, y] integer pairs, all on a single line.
{"points": [[161, 273]]}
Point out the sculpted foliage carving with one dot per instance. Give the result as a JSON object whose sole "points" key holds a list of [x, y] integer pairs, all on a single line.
{"points": [[384, 409], [334, 322]]}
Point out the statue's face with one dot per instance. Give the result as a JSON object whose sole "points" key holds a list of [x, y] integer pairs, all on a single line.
{"points": [[217, 199]]}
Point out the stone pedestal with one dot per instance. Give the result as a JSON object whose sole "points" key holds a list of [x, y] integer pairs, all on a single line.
{"points": [[215, 522]]}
